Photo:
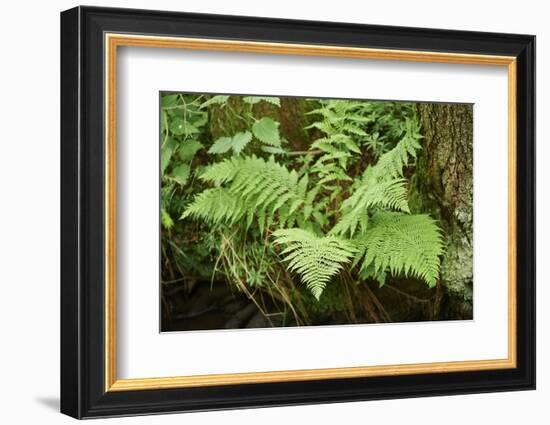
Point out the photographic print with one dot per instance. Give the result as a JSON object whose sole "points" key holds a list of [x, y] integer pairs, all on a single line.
{"points": [[287, 211], [311, 207]]}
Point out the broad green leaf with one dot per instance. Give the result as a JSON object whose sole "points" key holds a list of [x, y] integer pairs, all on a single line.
{"points": [[222, 145], [169, 100], [188, 149], [237, 143], [179, 126], [255, 99], [166, 151], [198, 118], [216, 100], [181, 173], [163, 119], [267, 131], [240, 140], [165, 155]]}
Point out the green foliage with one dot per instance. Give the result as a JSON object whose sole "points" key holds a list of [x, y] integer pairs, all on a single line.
{"points": [[316, 259], [166, 220], [275, 213], [249, 187], [267, 131], [391, 194], [391, 164], [403, 244], [341, 124], [382, 185], [181, 127], [256, 99], [182, 123], [237, 143], [188, 149], [180, 173], [215, 100]]}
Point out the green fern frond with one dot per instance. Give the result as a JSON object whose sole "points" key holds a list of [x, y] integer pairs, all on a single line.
{"points": [[402, 244], [382, 185], [165, 219], [316, 259], [390, 164], [221, 172], [249, 186], [215, 206], [389, 194]]}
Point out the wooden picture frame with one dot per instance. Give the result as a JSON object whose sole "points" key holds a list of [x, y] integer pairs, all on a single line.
{"points": [[90, 38]]}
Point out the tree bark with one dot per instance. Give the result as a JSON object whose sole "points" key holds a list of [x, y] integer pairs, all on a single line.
{"points": [[443, 187], [292, 117]]}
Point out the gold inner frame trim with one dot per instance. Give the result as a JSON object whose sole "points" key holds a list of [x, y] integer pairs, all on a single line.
{"points": [[113, 41]]}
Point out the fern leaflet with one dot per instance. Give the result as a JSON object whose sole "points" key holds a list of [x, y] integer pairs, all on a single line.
{"points": [[251, 187], [404, 244], [382, 185], [316, 259]]}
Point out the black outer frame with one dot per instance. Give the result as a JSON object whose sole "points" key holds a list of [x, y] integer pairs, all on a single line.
{"points": [[82, 212]]}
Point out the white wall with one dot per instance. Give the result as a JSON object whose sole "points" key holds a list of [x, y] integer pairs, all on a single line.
{"points": [[29, 224]]}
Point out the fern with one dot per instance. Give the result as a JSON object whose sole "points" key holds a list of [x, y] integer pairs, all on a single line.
{"points": [[382, 185], [215, 206], [386, 194], [401, 244], [358, 187], [342, 128], [251, 187], [316, 259], [391, 164]]}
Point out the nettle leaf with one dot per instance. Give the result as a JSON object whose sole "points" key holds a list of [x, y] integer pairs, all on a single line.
{"points": [[216, 100], [165, 156], [188, 149], [255, 99], [163, 121], [166, 152], [181, 173], [179, 127], [240, 140], [237, 143], [267, 131], [169, 100], [222, 145], [198, 119]]}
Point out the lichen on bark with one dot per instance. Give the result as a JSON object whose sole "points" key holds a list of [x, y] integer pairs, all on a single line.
{"points": [[443, 186]]}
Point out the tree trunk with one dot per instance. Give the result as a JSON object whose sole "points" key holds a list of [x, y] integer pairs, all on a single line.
{"points": [[443, 187], [292, 117]]}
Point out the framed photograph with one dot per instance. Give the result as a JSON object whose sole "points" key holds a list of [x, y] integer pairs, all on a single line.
{"points": [[261, 212]]}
